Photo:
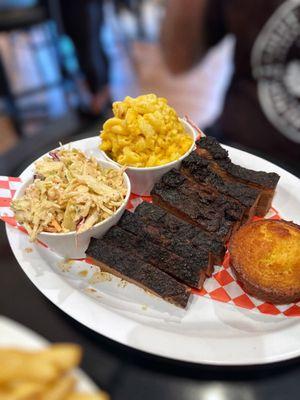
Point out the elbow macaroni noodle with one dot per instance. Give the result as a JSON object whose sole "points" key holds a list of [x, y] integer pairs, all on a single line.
{"points": [[144, 132]]}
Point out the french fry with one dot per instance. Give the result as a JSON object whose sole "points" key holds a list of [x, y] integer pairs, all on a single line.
{"points": [[42, 375], [25, 390], [61, 388], [20, 366], [63, 356], [4, 395], [86, 396]]}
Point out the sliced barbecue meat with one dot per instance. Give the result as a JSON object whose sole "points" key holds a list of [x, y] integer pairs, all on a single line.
{"points": [[175, 229], [216, 152], [208, 147], [190, 273], [217, 214], [200, 170], [125, 265], [192, 255]]}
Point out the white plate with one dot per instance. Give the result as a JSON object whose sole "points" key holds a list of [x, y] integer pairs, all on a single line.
{"points": [[13, 334], [208, 332]]}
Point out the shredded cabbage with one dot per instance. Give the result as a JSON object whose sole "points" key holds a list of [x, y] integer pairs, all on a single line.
{"points": [[70, 192]]}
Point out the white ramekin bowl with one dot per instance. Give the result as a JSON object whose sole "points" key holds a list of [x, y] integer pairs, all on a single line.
{"points": [[143, 179], [72, 244]]}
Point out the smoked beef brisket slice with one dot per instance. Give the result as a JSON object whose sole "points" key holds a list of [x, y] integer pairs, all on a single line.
{"points": [[210, 148], [191, 274], [215, 213], [135, 225], [115, 260], [200, 170], [175, 229]]}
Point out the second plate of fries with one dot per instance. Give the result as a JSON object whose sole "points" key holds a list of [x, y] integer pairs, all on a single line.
{"points": [[31, 369]]}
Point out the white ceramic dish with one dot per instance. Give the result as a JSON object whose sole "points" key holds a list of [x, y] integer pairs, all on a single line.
{"points": [[143, 179], [208, 331], [72, 244], [13, 334]]}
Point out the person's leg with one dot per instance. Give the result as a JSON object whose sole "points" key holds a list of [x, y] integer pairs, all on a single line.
{"points": [[82, 20]]}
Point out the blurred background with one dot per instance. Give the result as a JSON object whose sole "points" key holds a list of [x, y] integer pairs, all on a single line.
{"points": [[62, 63]]}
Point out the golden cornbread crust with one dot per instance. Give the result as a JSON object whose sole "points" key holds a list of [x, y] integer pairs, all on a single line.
{"points": [[265, 256]]}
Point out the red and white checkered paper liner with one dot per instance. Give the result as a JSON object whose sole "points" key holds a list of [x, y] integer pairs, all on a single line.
{"points": [[222, 286]]}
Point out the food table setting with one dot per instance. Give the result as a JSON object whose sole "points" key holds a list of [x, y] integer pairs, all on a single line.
{"points": [[176, 258]]}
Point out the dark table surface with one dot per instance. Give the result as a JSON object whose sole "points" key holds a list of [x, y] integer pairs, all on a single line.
{"points": [[128, 374]]}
